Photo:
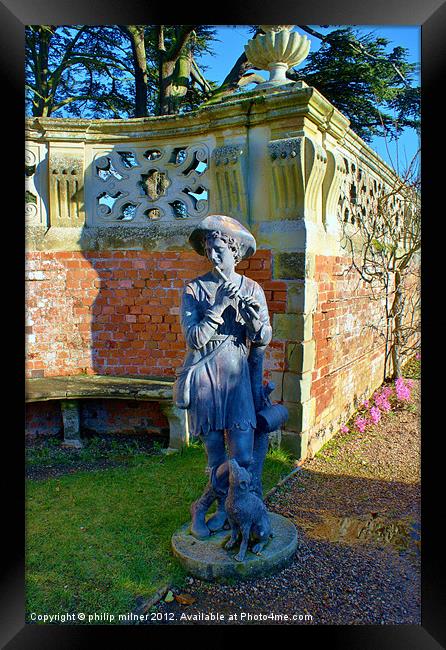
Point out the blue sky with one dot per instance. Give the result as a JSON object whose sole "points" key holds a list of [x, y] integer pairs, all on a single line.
{"points": [[233, 38]]}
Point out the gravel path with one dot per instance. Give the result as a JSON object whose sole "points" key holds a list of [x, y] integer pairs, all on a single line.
{"points": [[356, 508]]}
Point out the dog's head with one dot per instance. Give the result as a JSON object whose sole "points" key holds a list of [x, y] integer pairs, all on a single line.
{"points": [[239, 477]]}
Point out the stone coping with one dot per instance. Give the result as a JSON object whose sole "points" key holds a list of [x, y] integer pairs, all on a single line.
{"points": [[242, 110], [98, 386]]}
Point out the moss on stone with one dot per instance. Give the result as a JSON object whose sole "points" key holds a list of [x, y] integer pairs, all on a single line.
{"points": [[289, 266]]}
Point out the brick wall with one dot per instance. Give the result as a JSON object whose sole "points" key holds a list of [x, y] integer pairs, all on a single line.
{"points": [[43, 418], [117, 312], [99, 416], [123, 416], [349, 358]]}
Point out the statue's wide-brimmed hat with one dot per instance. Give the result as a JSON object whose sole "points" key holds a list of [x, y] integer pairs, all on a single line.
{"points": [[226, 225]]}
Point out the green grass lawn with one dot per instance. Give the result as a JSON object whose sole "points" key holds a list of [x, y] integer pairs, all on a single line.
{"points": [[97, 540]]}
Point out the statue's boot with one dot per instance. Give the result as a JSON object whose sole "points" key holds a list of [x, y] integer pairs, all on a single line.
{"points": [[198, 511], [219, 518], [219, 481]]}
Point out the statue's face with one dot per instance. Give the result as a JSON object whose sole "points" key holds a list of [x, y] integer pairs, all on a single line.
{"points": [[220, 254]]}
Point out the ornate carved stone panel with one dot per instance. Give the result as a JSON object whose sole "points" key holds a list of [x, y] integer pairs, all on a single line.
{"points": [[298, 168], [358, 193], [229, 173], [137, 184], [364, 196]]}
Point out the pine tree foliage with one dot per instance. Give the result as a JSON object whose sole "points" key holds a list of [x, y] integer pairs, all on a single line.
{"points": [[371, 87]]}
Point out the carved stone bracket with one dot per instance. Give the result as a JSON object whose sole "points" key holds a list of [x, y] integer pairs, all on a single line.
{"points": [[331, 189], [229, 174], [66, 188], [35, 214], [31, 201], [298, 167]]}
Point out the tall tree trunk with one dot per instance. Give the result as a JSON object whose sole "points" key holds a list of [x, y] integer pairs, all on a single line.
{"points": [[44, 99], [175, 77], [165, 96], [174, 70], [136, 34]]}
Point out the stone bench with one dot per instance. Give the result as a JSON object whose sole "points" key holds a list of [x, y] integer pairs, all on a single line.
{"points": [[69, 390]]}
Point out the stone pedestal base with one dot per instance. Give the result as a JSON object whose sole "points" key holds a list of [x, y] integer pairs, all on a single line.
{"points": [[208, 560], [71, 424]]}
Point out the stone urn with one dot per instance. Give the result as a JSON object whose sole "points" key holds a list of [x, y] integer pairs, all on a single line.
{"points": [[277, 50]]}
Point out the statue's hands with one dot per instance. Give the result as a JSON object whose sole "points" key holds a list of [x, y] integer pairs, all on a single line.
{"points": [[246, 307], [224, 295], [249, 310]]}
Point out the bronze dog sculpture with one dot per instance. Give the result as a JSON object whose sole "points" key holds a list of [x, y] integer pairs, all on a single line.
{"points": [[247, 514]]}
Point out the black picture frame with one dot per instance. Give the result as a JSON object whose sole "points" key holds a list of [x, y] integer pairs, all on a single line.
{"points": [[431, 16]]}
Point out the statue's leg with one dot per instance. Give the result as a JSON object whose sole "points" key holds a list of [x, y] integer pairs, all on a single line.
{"points": [[240, 443], [216, 454], [240, 446], [260, 450]]}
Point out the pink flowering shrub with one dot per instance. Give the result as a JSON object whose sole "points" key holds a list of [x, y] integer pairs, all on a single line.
{"points": [[375, 414], [361, 423], [403, 389], [383, 400], [382, 397]]}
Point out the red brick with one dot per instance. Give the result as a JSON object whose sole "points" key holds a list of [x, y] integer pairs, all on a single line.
{"points": [[259, 275], [274, 285], [276, 307], [263, 254]]}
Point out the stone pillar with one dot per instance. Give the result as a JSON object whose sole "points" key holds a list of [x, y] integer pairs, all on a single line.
{"points": [[297, 169], [178, 426], [71, 423], [294, 214], [295, 327]]}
